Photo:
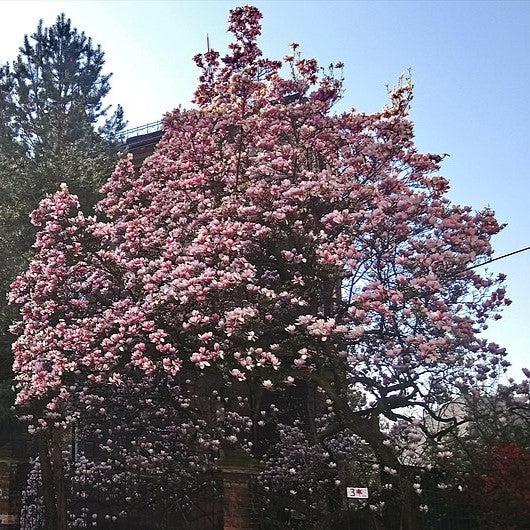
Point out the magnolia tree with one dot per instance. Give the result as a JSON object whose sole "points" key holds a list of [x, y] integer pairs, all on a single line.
{"points": [[269, 243], [140, 449]]}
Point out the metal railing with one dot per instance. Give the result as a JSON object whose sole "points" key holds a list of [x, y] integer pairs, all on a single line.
{"points": [[147, 128]]}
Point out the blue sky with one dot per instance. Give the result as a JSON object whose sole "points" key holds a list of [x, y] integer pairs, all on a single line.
{"points": [[471, 69]]}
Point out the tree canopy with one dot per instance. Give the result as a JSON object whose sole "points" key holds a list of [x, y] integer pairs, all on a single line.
{"points": [[269, 243]]}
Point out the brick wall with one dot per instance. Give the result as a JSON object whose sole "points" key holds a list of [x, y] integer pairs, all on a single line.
{"points": [[12, 476]]}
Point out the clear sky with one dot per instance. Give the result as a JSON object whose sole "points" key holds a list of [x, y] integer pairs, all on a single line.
{"points": [[470, 64]]}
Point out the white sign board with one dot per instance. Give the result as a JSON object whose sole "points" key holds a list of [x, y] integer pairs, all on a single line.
{"points": [[357, 493]]}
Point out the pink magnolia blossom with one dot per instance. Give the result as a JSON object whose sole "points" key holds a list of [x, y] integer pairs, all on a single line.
{"points": [[267, 234]]}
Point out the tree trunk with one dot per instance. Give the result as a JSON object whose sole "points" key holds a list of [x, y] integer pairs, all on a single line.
{"points": [[48, 489], [402, 492], [53, 486], [58, 474], [368, 429]]}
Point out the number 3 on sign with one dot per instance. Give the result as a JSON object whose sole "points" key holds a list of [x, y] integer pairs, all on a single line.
{"points": [[357, 493]]}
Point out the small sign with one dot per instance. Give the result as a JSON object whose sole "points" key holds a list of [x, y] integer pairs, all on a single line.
{"points": [[357, 493]]}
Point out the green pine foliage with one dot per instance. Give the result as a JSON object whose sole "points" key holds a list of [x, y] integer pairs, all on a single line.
{"points": [[54, 127]]}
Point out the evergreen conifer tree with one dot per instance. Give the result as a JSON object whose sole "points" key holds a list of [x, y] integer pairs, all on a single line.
{"points": [[54, 128]]}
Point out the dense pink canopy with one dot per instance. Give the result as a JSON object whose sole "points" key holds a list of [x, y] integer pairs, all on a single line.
{"points": [[268, 238], [269, 243]]}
